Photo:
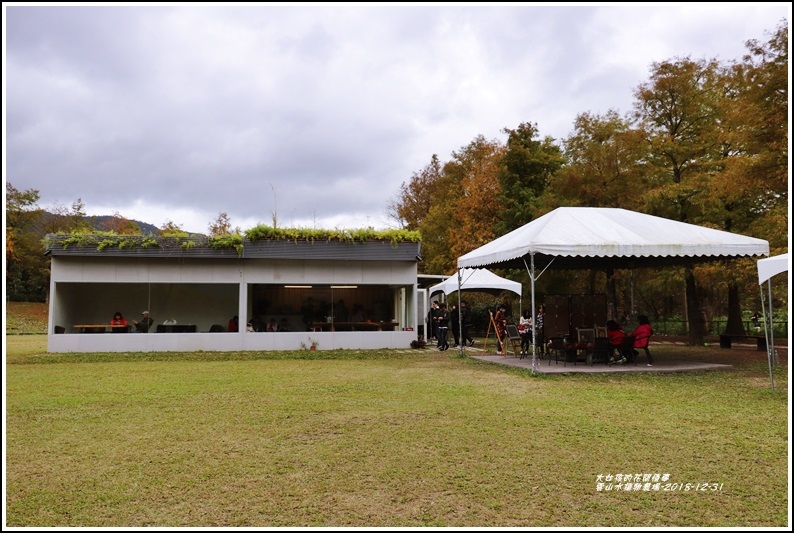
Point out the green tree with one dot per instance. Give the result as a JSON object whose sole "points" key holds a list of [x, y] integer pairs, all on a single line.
{"points": [[27, 269], [603, 166], [416, 196], [170, 228], [526, 167]]}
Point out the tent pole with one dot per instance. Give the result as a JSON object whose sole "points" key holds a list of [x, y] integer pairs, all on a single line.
{"points": [[771, 343], [531, 271], [769, 347], [460, 319]]}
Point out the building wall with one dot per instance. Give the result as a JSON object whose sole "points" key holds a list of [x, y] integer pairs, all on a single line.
{"points": [[206, 291]]}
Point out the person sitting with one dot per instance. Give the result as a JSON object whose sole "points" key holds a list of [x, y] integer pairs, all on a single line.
{"points": [[525, 330], [144, 324], [234, 324], [642, 335], [119, 320], [284, 326], [272, 325], [616, 335]]}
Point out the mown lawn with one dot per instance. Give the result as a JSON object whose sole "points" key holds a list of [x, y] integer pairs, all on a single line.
{"points": [[385, 438]]}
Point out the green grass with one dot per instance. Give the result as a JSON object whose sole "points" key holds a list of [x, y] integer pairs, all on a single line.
{"points": [[385, 438]]}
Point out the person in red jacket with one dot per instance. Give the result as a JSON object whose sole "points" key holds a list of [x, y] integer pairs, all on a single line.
{"points": [[615, 334], [642, 334], [119, 320]]}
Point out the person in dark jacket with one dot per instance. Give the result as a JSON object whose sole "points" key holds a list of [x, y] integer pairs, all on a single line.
{"points": [[144, 324], [465, 317], [442, 323]]}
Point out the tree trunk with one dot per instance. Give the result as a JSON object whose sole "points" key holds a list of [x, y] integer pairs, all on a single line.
{"points": [[734, 324], [697, 324]]}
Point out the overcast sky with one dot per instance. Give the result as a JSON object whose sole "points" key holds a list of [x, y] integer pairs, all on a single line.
{"points": [[314, 113]]}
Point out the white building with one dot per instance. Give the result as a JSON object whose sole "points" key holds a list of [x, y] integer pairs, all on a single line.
{"points": [[192, 290]]}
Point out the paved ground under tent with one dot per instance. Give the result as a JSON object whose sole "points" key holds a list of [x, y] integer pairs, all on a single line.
{"points": [[544, 367], [719, 360]]}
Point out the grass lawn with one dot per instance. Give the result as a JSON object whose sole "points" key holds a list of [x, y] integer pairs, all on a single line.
{"points": [[387, 438]]}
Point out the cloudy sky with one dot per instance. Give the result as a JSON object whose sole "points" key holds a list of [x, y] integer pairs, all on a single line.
{"points": [[314, 114]]}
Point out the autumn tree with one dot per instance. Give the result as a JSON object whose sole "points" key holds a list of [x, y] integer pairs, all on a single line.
{"points": [[750, 192], [416, 196], [169, 228], [120, 225], [222, 226], [474, 204], [678, 112]]}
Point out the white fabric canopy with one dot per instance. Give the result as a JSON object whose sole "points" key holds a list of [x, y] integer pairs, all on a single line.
{"points": [[767, 268], [770, 266], [476, 279], [602, 232], [589, 238]]}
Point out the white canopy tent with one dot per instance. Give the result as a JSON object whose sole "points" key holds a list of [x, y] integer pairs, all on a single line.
{"points": [[604, 238], [767, 268], [476, 279]]}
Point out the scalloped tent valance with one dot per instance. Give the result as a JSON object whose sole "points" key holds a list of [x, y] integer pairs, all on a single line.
{"points": [[599, 237]]}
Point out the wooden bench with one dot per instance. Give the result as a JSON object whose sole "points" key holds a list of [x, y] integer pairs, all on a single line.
{"points": [[726, 338]]}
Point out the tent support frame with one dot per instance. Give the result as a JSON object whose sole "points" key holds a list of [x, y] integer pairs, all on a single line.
{"points": [[531, 272]]}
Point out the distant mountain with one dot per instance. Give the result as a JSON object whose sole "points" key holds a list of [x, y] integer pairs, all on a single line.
{"points": [[48, 220], [101, 223]]}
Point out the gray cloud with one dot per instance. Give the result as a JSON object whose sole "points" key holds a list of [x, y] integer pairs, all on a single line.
{"points": [[318, 113]]}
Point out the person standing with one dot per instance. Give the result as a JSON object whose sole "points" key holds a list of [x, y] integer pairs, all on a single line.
{"points": [[432, 322], [540, 334], [465, 319], [454, 321], [500, 322], [442, 321]]}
